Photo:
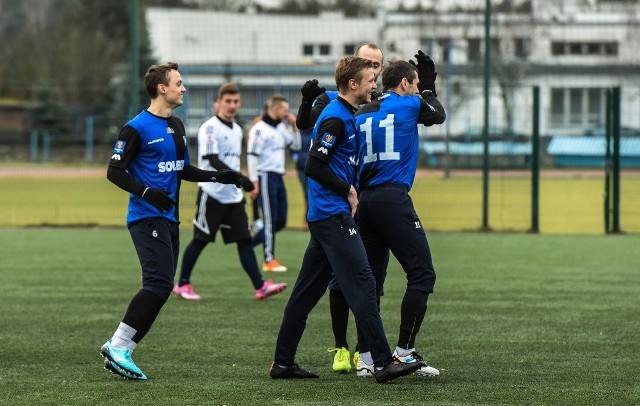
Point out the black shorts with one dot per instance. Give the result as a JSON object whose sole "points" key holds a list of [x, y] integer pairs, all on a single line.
{"points": [[157, 242], [388, 222], [211, 215]]}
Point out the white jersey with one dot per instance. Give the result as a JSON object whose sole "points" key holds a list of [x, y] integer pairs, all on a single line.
{"points": [[216, 138], [268, 144]]}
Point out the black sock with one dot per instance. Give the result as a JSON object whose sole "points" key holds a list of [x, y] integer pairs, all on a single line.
{"points": [[414, 307], [249, 262], [142, 312], [339, 317], [189, 258]]}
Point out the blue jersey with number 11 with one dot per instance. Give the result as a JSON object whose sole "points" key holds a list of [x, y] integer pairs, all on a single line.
{"points": [[388, 138]]}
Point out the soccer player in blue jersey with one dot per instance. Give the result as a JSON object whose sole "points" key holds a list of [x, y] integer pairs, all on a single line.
{"points": [[314, 100], [149, 160], [389, 144], [335, 246]]}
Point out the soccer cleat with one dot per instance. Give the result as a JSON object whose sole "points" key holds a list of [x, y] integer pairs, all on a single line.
{"points": [[425, 370], [342, 359], [364, 370], [356, 358], [120, 359], [269, 289], [113, 368], [290, 372], [186, 292], [394, 370], [274, 266]]}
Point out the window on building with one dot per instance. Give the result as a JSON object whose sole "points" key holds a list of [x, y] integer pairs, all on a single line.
{"points": [[611, 48], [522, 47], [593, 48], [349, 49], [426, 45], [575, 48], [557, 107], [325, 49], [496, 47], [595, 106], [584, 48], [577, 107], [307, 49], [557, 48], [473, 49], [444, 44]]}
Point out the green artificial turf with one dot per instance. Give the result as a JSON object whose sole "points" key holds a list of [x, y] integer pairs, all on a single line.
{"points": [[516, 319]]}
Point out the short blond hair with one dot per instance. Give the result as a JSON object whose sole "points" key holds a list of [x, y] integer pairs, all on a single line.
{"points": [[350, 67]]}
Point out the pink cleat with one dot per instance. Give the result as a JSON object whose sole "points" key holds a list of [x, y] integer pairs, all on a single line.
{"points": [[269, 289], [186, 292]]}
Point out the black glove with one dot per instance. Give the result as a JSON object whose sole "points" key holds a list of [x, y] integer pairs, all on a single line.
{"points": [[227, 176], [310, 90], [246, 184], [158, 198], [426, 72], [375, 95]]}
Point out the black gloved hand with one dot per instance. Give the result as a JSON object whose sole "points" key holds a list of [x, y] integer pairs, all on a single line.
{"points": [[158, 198], [227, 176], [426, 72], [246, 184], [375, 95], [310, 90]]}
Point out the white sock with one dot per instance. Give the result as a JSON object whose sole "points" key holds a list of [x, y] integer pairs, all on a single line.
{"points": [[403, 352], [122, 337], [132, 346], [366, 358]]}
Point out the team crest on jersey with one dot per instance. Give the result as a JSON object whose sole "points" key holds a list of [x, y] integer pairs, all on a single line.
{"points": [[119, 147], [328, 140], [209, 130], [170, 130]]}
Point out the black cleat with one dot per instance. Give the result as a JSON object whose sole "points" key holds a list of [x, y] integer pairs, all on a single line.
{"points": [[290, 372], [396, 369]]}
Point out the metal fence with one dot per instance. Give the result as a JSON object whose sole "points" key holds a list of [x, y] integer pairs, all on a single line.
{"points": [[478, 171], [574, 192]]}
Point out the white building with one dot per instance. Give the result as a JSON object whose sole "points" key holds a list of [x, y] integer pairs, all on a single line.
{"points": [[573, 50]]}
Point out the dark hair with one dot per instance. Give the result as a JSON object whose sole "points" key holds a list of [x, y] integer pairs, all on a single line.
{"points": [[350, 67], [276, 100], [228, 88], [395, 71], [158, 75]]}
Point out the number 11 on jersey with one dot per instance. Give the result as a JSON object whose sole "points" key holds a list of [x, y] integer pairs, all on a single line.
{"points": [[387, 154]]}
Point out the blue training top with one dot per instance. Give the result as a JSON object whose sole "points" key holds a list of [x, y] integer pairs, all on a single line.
{"points": [[148, 147], [388, 137], [341, 150]]}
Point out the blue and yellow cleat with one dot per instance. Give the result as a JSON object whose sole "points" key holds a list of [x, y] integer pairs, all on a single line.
{"points": [[118, 361]]}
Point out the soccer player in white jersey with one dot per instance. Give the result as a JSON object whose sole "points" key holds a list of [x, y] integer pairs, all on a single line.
{"points": [[268, 140], [220, 207]]}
